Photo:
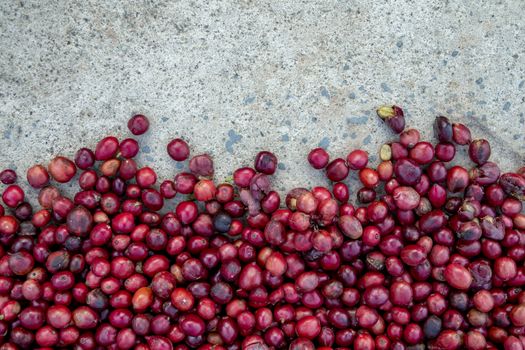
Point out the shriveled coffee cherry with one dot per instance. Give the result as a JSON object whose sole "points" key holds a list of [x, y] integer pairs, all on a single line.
{"points": [[202, 165], [513, 185]]}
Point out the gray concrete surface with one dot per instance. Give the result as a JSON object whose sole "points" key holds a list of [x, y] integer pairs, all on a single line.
{"points": [[234, 77]]}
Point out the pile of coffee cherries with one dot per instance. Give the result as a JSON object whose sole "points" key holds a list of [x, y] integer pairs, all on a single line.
{"points": [[428, 256]]}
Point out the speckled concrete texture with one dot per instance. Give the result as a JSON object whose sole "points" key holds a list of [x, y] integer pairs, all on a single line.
{"points": [[234, 77]]}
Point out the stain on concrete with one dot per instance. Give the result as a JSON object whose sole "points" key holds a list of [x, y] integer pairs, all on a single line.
{"points": [[385, 87], [325, 93], [8, 131], [324, 143], [248, 100], [233, 138], [357, 120]]}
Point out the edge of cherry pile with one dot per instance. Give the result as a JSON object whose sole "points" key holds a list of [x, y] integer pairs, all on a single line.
{"points": [[429, 256]]}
